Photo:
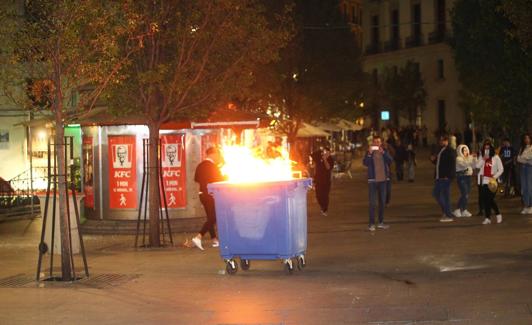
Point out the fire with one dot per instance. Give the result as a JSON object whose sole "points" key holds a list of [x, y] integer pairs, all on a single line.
{"points": [[245, 165]]}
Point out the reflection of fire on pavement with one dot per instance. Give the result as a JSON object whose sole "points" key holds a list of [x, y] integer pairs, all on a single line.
{"points": [[449, 263]]}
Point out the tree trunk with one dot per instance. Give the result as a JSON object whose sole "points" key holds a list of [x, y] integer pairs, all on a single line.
{"points": [[66, 253], [153, 186]]}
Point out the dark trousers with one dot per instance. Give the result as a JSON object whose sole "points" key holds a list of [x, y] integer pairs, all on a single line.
{"points": [[480, 203], [399, 169], [488, 201], [388, 191], [508, 178], [208, 204], [442, 194], [464, 184], [322, 194], [377, 190]]}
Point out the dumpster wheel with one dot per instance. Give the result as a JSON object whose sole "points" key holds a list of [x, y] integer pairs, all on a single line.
{"points": [[231, 267], [301, 263], [244, 264], [288, 266]]}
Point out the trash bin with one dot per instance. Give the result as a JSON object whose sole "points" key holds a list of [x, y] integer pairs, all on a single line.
{"points": [[262, 221]]}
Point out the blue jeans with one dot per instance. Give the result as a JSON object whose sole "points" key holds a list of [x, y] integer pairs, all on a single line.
{"points": [[526, 184], [464, 185], [376, 190], [442, 194]]}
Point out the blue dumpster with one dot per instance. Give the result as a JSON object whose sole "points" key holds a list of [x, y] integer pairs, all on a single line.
{"points": [[262, 221]]}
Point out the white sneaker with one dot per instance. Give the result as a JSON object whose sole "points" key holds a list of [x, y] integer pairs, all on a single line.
{"points": [[525, 211], [446, 219], [371, 228], [197, 243], [215, 243], [486, 222], [499, 218], [529, 211], [457, 213], [466, 214]]}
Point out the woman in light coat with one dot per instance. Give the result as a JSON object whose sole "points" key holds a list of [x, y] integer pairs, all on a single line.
{"points": [[490, 169], [525, 160], [465, 163]]}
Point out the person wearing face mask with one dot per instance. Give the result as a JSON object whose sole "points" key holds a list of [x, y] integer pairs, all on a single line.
{"points": [[490, 169], [465, 162], [525, 160], [322, 177]]}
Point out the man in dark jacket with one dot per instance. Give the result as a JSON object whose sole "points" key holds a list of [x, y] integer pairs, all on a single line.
{"points": [[445, 171], [208, 172], [378, 162]]}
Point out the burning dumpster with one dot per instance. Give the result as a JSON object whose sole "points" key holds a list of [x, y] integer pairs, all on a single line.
{"points": [[261, 214]]}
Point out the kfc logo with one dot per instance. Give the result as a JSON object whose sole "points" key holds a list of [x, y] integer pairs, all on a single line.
{"points": [[171, 156], [121, 156]]}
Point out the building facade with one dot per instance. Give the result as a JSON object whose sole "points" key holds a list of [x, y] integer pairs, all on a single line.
{"points": [[397, 31]]}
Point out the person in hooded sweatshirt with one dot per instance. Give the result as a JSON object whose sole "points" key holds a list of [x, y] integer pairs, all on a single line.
{"points": [[465, 162], [490, 169]]}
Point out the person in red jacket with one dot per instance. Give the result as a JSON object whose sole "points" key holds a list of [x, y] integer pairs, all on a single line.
{"points": [[208, 171]]}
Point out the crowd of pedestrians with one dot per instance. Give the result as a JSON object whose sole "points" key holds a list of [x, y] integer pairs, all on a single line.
{"points": [[453, 161], [494, 169]]}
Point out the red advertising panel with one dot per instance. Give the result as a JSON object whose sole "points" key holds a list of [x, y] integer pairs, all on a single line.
{"points": [[88, 171], [174, 170], [122, 172]]}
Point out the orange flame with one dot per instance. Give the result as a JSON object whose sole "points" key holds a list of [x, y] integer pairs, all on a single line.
{"points": [[245, 165]]}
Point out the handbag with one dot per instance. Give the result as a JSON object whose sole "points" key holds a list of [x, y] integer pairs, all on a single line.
{"points": [[493, 185]]}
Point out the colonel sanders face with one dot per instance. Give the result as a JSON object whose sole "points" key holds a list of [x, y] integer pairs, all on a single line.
{"points": [[121, 154], [171, 153]]}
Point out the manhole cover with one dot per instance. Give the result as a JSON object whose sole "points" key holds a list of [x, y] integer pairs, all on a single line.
{"points": [[102, 281], [98, 281], [17, 281]]}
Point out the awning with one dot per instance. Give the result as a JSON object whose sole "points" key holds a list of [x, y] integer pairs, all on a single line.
{"points": [[307, 131], [349, 126]]}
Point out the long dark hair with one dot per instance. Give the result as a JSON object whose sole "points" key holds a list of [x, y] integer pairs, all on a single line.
{"points": [[523, 144], [488, 142]]}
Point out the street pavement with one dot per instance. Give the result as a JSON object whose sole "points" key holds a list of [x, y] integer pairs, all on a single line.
{"points": [[419, 271]]}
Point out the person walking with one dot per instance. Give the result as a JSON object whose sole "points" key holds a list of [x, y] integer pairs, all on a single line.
{"points": [[507, 155], [490, 169], [400, 157], [208, 171], [378, 162], [525, 160], [445, 170], [465, 163], [411, 163], [323, 164]]}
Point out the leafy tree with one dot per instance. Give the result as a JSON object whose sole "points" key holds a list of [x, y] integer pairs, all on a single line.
{"points": [[53, 49], [519, 12], [319, 75], [494, 67], [404, 88], [196, 57]]}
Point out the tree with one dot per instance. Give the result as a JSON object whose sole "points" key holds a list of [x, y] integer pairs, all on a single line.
{"points": [[519, 12], [405, 91], [53, 49], [197, 56], [319, 75], [493, 66]]}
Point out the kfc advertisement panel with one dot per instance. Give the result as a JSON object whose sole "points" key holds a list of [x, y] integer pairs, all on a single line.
{"points": [[122, 172], [173, 170]]}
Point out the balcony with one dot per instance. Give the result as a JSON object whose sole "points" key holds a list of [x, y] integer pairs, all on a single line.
{"points": [[373, 48], [414, 40], [392, 45], [438, 36]]}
